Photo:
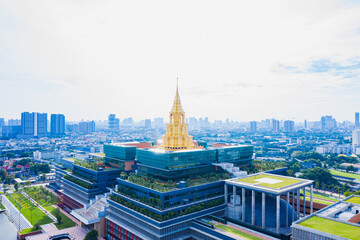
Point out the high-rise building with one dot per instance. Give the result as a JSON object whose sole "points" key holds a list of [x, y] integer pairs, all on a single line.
{"points": [[253, 126], [57, 124], [193, 123], [113, 122], [327, 123], [2, 123], [275, 124], [355, 140], [289, 126], [128, 122], [147, 123], [14, 122], [33, 125], [357, 124], [159, 122], [305, 124], [87, 127]]}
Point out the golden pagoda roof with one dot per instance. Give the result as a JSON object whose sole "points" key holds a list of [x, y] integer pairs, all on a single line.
{"points": [[177, 102]]}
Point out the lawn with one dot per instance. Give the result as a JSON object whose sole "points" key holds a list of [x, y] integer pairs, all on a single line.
{"points": [[345, 174], [34, 216], [46, 199], [263, 180], [65, 221], [319, 201], [332, 227], [354, 199], [237, 232], [29, 230], [317, 195]]}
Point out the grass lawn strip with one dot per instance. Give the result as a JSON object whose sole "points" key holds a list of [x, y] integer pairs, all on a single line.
{"points": [[354, 199], [319, 195], [284, 181], [237, 232], [336, 228], [345, 174], [37, 215], [29, 230], [319, 201], [65, 221]]}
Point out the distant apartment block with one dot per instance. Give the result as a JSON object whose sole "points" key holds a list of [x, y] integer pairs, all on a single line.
{"points": [[14, 122], [275, 125], [357, 120], [147, 123], [253, 126], [87, 127], [57, 124], [113, 122], [289, 126], [33, 125], [334, 148]]}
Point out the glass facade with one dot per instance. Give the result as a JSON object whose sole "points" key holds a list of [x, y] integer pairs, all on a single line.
{"points": [[120, 151], [234, 154], [176, 159]]}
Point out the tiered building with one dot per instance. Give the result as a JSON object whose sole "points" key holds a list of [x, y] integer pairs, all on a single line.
{"points": [[169, 191]]}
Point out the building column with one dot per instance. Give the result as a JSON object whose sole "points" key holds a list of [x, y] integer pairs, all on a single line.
{"points": [[311, 199], [304, 192], [243, 205], [234, 200], [287, 209], [298, 202], [226, 193], [278, 214], [253, 208], [293, 205], [263, 211]]}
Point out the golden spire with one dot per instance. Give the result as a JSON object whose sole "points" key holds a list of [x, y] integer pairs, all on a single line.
{"points": [[177, 108], [177, 135]]}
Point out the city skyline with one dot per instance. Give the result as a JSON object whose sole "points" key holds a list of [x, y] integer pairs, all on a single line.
{"points": [[289, 62]]}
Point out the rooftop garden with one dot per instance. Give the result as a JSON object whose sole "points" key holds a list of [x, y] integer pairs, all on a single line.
{"points": [[78, 182], [161, 186], [32, 213], [47, 200], [345, 174], [90, 165], [168, 215], [267, 180], [354, 199], [333, 227], [41, 195]]}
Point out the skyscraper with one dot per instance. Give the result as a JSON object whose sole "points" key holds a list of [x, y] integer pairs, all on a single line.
{"points": [[113, 122], [33, 125], [87, 127], [2, 123], [275, 125], [289, 126], [357, 120], [253, 126], [147, 123], [57, 124]]}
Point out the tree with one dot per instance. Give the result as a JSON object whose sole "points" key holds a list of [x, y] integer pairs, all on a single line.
{"points": [[92, 235], [350, 168], [16, 186], [57, 214]]}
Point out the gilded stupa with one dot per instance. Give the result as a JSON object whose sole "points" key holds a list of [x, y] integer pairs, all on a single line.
{"points": [[177, 134]]}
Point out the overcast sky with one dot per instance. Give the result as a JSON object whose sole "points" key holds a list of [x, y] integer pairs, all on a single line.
{"points": [[243, 60]]}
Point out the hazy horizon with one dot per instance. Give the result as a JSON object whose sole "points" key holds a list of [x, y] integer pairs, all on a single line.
{"points": [[239, 60]]}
